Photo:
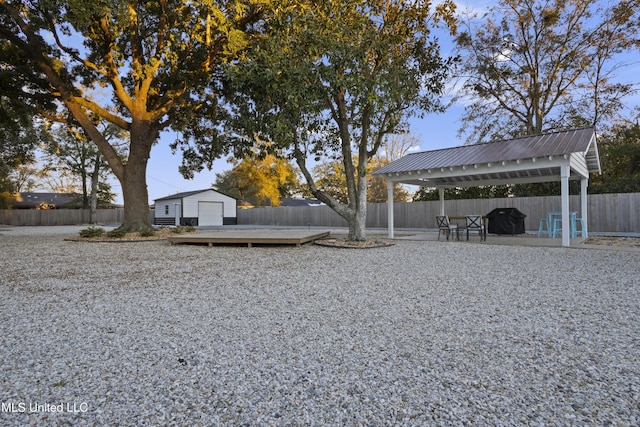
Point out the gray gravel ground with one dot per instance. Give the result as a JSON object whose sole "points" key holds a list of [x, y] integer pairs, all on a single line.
{"points": [[420, 333]]}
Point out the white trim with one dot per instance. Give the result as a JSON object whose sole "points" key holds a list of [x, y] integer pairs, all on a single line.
{"points": [[546, 168], [565, 171], [579, 164], [486, 181], [390, 220], [584, 207]]}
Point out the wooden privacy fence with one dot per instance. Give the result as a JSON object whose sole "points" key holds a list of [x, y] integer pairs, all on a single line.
{"points": [[60, 216], [606, 212]]}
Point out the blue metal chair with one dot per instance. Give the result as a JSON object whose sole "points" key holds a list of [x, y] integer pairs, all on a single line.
{"points": [[544, 227], [556, 230], [574, 227], [555, 219]]}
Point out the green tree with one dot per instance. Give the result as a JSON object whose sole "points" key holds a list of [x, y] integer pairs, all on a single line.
{"points": [[20, 134], [330, 79], [620, 159], [23, 176], [144, 67], [259, 180], [483, 192], [72, 152], [533, 66]]}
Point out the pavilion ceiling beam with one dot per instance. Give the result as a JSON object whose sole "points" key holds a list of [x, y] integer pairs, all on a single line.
{"points": [[549, 163], [523, 177]]}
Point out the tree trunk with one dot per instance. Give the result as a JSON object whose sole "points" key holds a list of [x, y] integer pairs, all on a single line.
{"points": [[355, 213], [358, 217], [358, 224], [85, 191], [95, 176], [134, 178], [136, 198]]}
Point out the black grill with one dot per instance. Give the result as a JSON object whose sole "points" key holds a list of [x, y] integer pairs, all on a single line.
{"points": [[506, 221]]}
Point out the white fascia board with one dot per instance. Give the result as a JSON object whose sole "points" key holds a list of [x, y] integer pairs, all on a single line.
{"points": [[481, 169], [593, 148], [578, 163]]}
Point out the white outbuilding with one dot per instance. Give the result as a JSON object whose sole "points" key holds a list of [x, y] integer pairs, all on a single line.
{"points": [[201, 208]]}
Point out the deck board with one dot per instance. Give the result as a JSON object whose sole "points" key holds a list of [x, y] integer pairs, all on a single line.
{"points": [[250, 237]]}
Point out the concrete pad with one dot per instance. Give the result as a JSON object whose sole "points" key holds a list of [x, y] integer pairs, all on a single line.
{"points": [[518, 240]]}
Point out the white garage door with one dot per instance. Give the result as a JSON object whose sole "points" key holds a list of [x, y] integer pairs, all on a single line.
{"points": [[210, 213]]}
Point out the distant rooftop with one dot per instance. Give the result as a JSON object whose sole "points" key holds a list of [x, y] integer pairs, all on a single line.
{"points": [[31, 200]]}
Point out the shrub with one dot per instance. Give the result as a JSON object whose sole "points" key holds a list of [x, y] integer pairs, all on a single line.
{"points": [[186, 229], [118, 233], [147, 233], [92, 232]]}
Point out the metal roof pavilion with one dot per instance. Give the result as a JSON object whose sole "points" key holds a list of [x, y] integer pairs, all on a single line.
{"points": [[557, 156]]}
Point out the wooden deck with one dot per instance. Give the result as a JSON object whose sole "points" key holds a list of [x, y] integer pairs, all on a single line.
{"points": [[250, 237]]}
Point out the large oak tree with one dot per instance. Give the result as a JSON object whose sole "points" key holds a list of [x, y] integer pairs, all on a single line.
{"points": [[143, 66], [332, 78]]}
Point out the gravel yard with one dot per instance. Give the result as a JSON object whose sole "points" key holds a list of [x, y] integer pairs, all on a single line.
{"points": [[419, 333]]}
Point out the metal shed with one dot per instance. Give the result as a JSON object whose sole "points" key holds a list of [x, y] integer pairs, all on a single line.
{"points": [[207, 207], [557, 156]]}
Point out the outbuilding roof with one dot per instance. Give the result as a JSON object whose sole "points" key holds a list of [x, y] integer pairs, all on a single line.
{"points": [[191, 193], [527, 159]]}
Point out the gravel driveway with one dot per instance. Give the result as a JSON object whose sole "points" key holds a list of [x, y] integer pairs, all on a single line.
{"points": [[420, 333]]}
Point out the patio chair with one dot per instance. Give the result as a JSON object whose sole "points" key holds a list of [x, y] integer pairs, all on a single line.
{"points": [[574, 228], [544, 227], [446, 226], [475, 223]]}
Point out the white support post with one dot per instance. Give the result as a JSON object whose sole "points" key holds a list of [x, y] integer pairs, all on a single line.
{"points": [[441, 194], [584, 183], [564, 196], [390, 209]]}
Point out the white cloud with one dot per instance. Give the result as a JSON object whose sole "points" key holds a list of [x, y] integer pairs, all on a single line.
{"points": [[469, 8]]}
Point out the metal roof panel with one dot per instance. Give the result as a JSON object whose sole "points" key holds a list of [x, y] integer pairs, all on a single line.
{"points": [[551, 144]]}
